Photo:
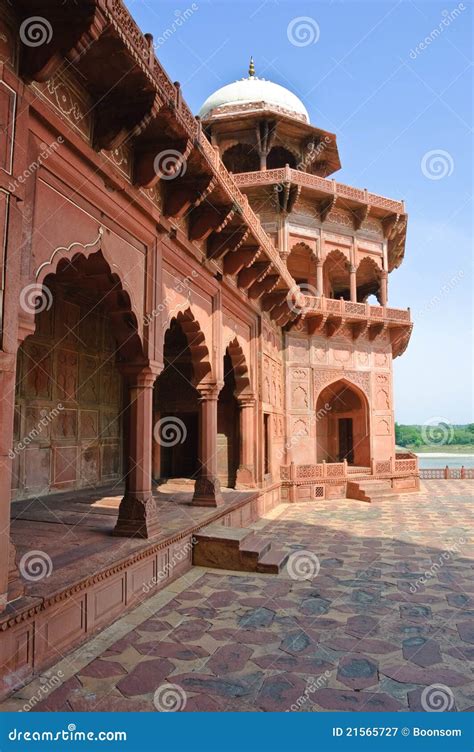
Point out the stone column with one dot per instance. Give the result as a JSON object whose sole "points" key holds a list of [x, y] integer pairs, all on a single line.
{"points": [[207, 491], [11, 585], [246, 472], [353, 278], [319, 277], [137, 513], [383, 288]]}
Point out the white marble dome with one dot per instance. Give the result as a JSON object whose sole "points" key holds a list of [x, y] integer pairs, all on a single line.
{"points": [[254, 89]]}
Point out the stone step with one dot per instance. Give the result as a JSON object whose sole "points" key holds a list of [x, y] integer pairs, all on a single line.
{"points": [[273, 561], [370, 490], [374, 485], [236, 548], [252, 549]]}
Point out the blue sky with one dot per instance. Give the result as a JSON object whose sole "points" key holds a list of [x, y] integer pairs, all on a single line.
{"points": [[390, 103]]}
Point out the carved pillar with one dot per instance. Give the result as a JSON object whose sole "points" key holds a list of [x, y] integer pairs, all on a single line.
{"points": [[207, 491], [156, 451], [11, 585], [319, 277], [383, 288], [353, 279], [263, 161], [246, 472], [137, 513]]}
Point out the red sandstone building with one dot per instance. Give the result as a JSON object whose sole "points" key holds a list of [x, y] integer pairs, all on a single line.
{"points": [[181, 298]]}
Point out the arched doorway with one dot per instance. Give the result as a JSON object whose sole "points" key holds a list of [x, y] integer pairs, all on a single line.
{"points": [[241, 158], [176, 409], [228, 428], [71, 399], [368, 281], [342, 425], [336, 276]]}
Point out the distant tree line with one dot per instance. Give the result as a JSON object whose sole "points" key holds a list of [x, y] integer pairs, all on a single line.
{"points": [[418, 435]]}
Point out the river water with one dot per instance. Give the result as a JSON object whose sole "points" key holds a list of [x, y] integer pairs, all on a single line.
{"points": [[441, 459]]}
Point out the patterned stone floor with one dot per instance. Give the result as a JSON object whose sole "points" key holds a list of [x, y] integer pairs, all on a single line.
{"points": [[374, 611]]}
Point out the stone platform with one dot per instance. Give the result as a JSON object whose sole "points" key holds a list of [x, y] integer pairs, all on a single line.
{"points": [[79, 578], [386, 613]]}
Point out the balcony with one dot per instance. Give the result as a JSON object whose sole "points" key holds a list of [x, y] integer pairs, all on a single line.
{"points": [[326, 317], [328, 194]]}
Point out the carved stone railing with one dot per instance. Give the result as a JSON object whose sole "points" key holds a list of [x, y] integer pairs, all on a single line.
{"points": [[321, 185], [402, 464], [447, 473], [350, 309]]}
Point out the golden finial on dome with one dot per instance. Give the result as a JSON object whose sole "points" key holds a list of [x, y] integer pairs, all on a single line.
{"points": [[251, 68]]}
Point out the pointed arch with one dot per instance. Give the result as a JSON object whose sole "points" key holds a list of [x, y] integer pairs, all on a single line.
{"points": [[343, 423], [336, 275], [368, 277], [239, 364], [200, 357]]}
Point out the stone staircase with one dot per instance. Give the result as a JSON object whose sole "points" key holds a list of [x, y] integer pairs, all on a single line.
{"points": [[236, 548], [370, 490]]}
